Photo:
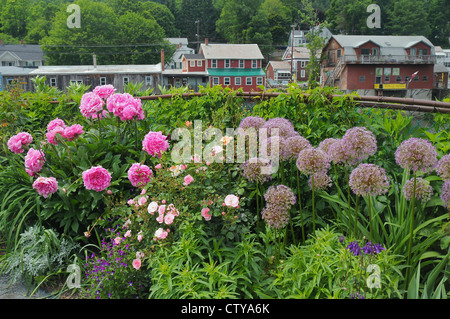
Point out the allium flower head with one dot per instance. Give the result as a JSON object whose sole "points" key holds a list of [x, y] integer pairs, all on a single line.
{"points": [[91, 104], [292, 146], [285, 127], [443, 167], [18, 141], [72, 132], [45, 186], [34, 160], [313, 160], [326, 143], [280, 196], [272, 146], [275, 217], [321, 181], [424, 190], [416, 154], [252, 121], [369, 179], [96, 178], [360, 144], [155, 143], [338, 152], [255, 169], [104, 91], [445, 194], [139, 175]]}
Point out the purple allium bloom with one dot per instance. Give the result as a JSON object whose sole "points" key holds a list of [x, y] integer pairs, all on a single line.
{"points": [[285, 127], [326, 143], [368, 179], [292, 146], [416, 154], [313, 160], [371, 248], [321, 181], [275, 216], [251, 170], [354, 248], [423, 189], [252, 121], [281, 196], [269, 145], [445, 194], [443, 167], [360, 143], [339, 152]]}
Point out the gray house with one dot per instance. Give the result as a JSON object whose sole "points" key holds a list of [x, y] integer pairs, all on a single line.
{"points": [[21, 55], [10, 74]]}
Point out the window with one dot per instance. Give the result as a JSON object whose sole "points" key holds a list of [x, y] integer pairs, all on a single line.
{"points": [[387, 78], [214, 63], [407, 78], [303, 64], [227, 64], [199, 63], [259, 80], [338, 54], [215, 81], [53, 82], [237, 80], [191, 63], [387, 71], [398, 78], [423, 52], [379, 71], [254, 64], [226, 81], [148, 80], [425, 78], [102, 80], [395, 71], [241, 64], [302, 73], [365, 51], [248, 80], [362, 78], [375, 51], [412, 51], [416, 78], [126, 80]]}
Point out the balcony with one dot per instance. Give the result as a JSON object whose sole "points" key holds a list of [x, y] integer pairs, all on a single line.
{"points": [[389, 59]]}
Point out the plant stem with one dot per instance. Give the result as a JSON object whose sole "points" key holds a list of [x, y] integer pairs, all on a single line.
{"points": [[370, 218], [411, 232], [313, 208], [135, 134], [300, 206], [99, 129], [356, 216]]}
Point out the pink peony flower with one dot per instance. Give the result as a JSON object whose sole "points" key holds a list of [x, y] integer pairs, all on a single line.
{"points": [[52, 134], [45, 185], [187, 180], [231, 201], [104, 91], [91, 104], [139, 175], [125, 106], [34, 160], [72, 132], [55, 123], [16, 142], [205, 214], [137, 264], [96, 178], [155, 143]]}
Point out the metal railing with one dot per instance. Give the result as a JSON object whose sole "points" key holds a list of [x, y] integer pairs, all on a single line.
{"points": [[390, 59]]}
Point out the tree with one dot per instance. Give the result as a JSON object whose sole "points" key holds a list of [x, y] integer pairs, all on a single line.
{"points": [[13, 17], [259, 32], [349, 17], [409, 17], [438, 19], [279, 18]]}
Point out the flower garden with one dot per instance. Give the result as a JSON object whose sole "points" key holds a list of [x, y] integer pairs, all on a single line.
{"points": [[343, 203]]}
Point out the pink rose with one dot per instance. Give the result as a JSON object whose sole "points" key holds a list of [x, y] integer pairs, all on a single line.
{"points": [[161, 233], [205, 214], [45, 186], [168, 219], [152, 207], [96, 178], [162, 209], [117, 240], [142, 200], [137, 264], [231, 201], [158, 166], [187, 180]]}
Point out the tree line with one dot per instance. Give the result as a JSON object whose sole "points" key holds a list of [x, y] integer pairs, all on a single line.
{"points": [[133, 31]]}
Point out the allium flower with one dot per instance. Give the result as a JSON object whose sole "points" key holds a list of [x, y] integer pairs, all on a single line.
{"points": [[256, 170], [72, 132], [45, 185], [313, 160], [55, 123], [275, 216], [231, 201], [416, 154], [96, 178], [187, 180], [338, 152], [272, 146], [292, 146], [51, 135], [360, 144], [139, 175], [285, 127], [104, 91], [371, 248], [280, 196], [445, 194], [34, 160], [205, 214], [326, 143], [423, 189], [321, 181], [354, 248], [443, 167], [91, 104], [155, 143], [252, 121], [18, 141], [369, 179]]}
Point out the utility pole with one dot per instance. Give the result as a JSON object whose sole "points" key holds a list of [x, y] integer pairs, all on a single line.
{"points": [[197, 22], [292, 50]]}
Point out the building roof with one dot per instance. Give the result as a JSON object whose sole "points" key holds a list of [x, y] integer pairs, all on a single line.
{"points": [[235, 72], [389, 44], [440, 68], [194, 56], [99, 69], [231, 51], [14, 70], [280, 65], [25, 52]]}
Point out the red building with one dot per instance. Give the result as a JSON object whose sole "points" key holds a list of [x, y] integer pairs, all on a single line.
{"points": [[380, 65]]}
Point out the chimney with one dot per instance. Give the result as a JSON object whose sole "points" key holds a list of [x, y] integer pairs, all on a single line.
{"points": [[206, 41], [94, 60], [162, 60]]}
